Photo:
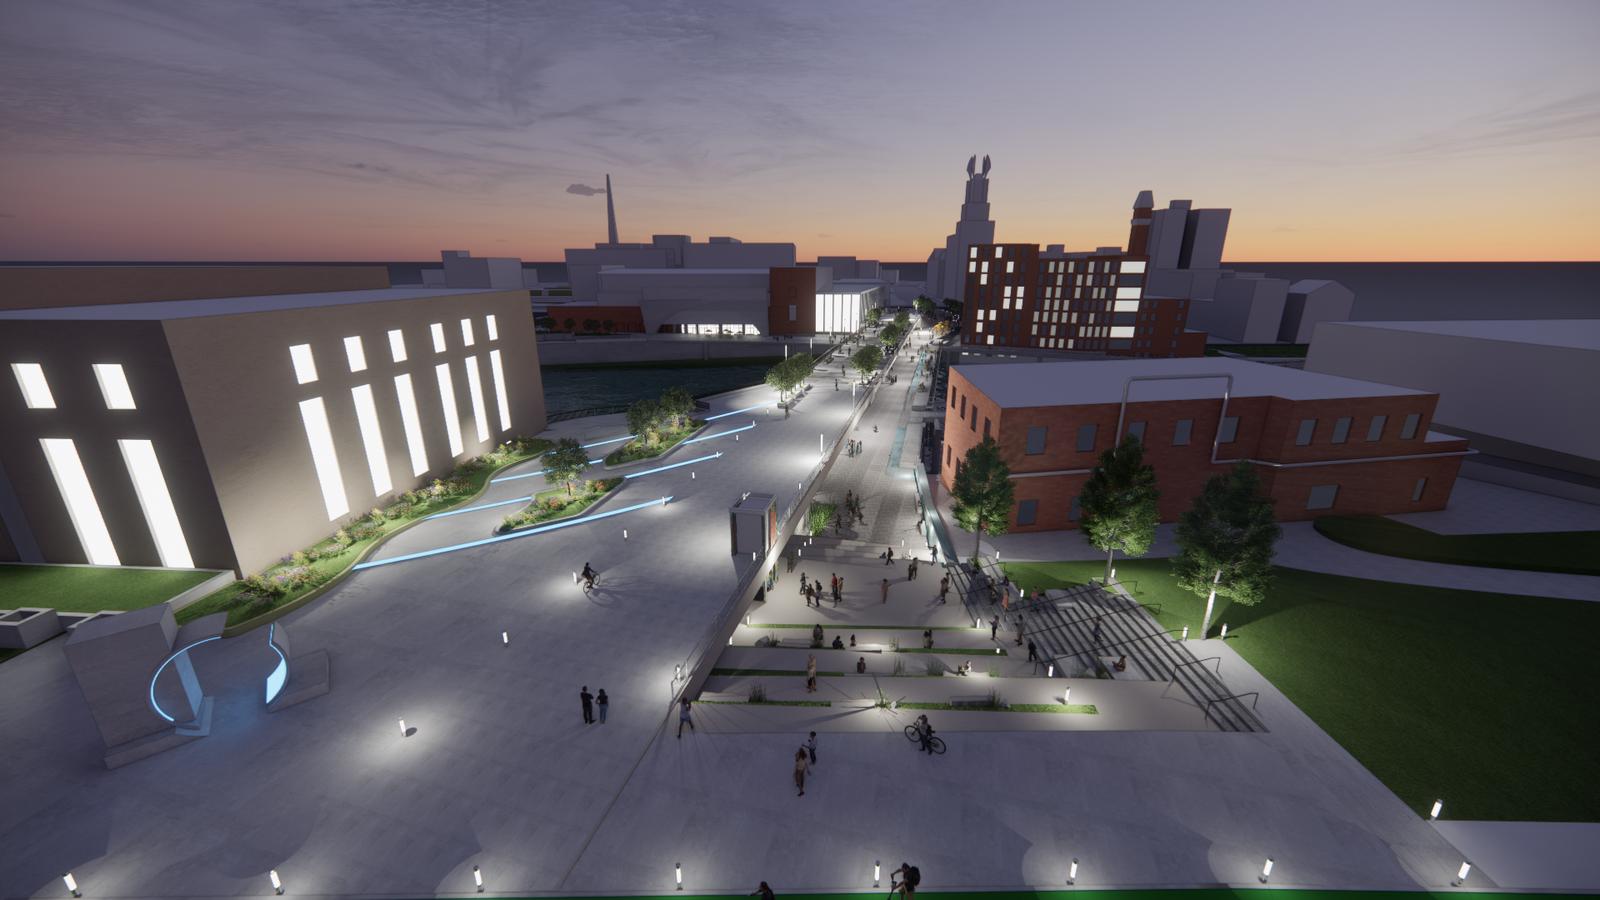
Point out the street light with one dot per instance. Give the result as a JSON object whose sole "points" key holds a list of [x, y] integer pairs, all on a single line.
{"points": [[1266, 870], [403, 728], [277, 883]]}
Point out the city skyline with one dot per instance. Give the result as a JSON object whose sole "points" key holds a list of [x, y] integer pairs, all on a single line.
{"points": [[1336, 132]]}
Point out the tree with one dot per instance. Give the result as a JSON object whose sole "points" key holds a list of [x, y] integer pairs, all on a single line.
{"points": [[609, 326], [570, 323], [902, 319], [788, 375], [677, 405], [891, 334], [874, 316], [924, 306], [566, 463], [983, 494], [544, 323], [953, 307], [866, 360], [1118, 503], [1225, 541], [644, 420], [591, 325]]}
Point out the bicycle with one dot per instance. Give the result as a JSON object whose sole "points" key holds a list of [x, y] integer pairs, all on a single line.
{"points": [[915, 737]]}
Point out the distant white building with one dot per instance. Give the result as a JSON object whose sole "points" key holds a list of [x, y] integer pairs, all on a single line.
{"points": [[461, 269]]}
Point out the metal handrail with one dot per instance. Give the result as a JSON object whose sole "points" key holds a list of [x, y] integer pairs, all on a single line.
{"points": [[1207, 714], [1191, 662]]}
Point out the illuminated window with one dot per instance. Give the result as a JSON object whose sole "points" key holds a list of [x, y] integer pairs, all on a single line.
{"points": [[984, 267], [980, 327], [991, 339], [355, 353], [324, 458], [973, 253], [35, 390], [972, 267], [73, 483], [1132, 266], [1127, 293], [492, 329], [159, 513], [305, 367], [412, 424], [480, 418], [984, 278], [1126, 306], [447, 399], [114, 386], [1122, 331], [1011, 266], [466, 332], [372, 438], [438, 337], [499, 374], [999, 252]]}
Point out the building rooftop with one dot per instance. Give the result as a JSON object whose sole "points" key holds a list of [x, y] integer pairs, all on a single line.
{"points": [[1017, 385], [1581, 334], [159, 310], [633, 270]]}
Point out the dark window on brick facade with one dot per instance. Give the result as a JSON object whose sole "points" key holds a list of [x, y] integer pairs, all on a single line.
{"points": [[1308, 428], [1228, 431], [1341, 429], [1182, 431], [1409, 429], [1322, 496], [1086, 438], [1036, 438], [1027, 512], [1375, 430]]}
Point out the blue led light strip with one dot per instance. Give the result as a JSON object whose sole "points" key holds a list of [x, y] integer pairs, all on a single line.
{"points": [[457, 512], [280, 674], [153, 704], [564, 523], [734, 412], [626, 437], [708, 456], [592, 462], [707, 437]]}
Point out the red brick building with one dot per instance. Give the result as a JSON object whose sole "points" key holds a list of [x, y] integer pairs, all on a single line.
{"points": [[1020, 296], [1322, 444]]}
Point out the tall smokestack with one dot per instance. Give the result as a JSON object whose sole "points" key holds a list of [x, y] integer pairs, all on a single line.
{"points": [[611, 213], [1139, 230]]}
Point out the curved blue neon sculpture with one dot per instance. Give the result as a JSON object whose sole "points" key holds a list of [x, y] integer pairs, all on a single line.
{"points": [[157, 706]]}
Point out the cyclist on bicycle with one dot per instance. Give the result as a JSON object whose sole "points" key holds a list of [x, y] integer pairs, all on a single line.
{"points": [[589, 575], [925, 734]]}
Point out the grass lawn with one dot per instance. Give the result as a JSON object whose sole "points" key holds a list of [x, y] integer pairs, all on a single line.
{"points": [[334, 561], [75, 589], [1575, 552], [635, 450], [1477, 698]]}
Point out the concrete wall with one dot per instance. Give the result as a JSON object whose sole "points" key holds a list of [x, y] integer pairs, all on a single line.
{"points": [[1529, 394], [237, 375], [39, 287], [708, 298], [67, 350]]}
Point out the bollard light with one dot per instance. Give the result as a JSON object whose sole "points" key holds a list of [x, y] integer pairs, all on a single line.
{"points": [[574, 577], [477, 878], [505, 639], [1461, 873], [624, 534], [1266, 870], [1438, 807], [752, 556], [402, 727], [997, 651], [277, 883], [797, 485], [677, 871], [72, 884], [876, 869], [1067, 697], [1185, 633], [691, 475], [1051, 671], [747, 618], [1113, 574], [1224, 631], [730, 640], [736, 437], [1072, 872]]}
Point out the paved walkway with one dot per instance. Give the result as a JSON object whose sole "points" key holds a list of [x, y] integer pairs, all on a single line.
{"points": [[1478, 507]]}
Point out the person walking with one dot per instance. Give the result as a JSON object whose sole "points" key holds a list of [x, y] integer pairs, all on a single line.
{"points": [[802, 582], [944, 589], [1033, 652], [587, 699], [888, 556], [861, 666], [811, 748], [911, 570], [885, 590], [994, 627], [801, 766], [1096, 633], [838, 596], [811, 673], [1019, 629], [602, 703], [683, 717]]}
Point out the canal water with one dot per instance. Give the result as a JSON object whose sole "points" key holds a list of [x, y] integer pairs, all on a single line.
{"points": [[567, 389]]}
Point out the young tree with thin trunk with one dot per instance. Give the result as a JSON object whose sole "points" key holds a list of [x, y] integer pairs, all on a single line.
{"points": [[982, 494], [566, 463], [866, 361], [1225, 541], [1118, 502]]}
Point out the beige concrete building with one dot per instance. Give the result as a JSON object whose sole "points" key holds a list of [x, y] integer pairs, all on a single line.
{"points": [[228, 432]]}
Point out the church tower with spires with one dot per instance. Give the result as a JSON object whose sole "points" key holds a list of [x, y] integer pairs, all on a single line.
{"points": [[947, 266]]}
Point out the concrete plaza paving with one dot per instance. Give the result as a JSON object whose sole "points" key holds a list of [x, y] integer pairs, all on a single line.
{"points": [[502, 774]]}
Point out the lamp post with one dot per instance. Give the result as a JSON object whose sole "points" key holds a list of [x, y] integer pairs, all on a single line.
{"points": [[677, 871], [72, 884], [277, 883], [1072, 872], [877, 868], [477, 878], [1266, 870]]}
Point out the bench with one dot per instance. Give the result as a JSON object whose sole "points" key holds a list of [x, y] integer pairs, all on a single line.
{"points": [[796, 642], [721, 697]]}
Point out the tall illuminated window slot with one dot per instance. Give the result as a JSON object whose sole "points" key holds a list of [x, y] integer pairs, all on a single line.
{"points": [[499, 373], [324, 458], [447, 399], [159, 513], [372, 438], [35, 390], [412, 423], [480, 418], [82, 509]]}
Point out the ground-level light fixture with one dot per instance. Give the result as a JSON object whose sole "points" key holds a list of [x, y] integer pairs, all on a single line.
{"points": [[1051, 671], [1072, 872], [1224, 634], [1462, 873], [677, 872], [1266, 870], [505, 638], [477, 878], [72, 884], [1185, 633], [1438, 807], [403, 732], [277, 883], [624, 534], [574, 577], [997, 651], [877, 869]]}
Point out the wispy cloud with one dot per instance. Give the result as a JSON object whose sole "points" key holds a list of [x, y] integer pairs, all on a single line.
{"points": [[1561, 120], [583, 190]]}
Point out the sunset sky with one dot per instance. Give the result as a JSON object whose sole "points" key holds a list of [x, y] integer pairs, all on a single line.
{"points": [[320, 130]]}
